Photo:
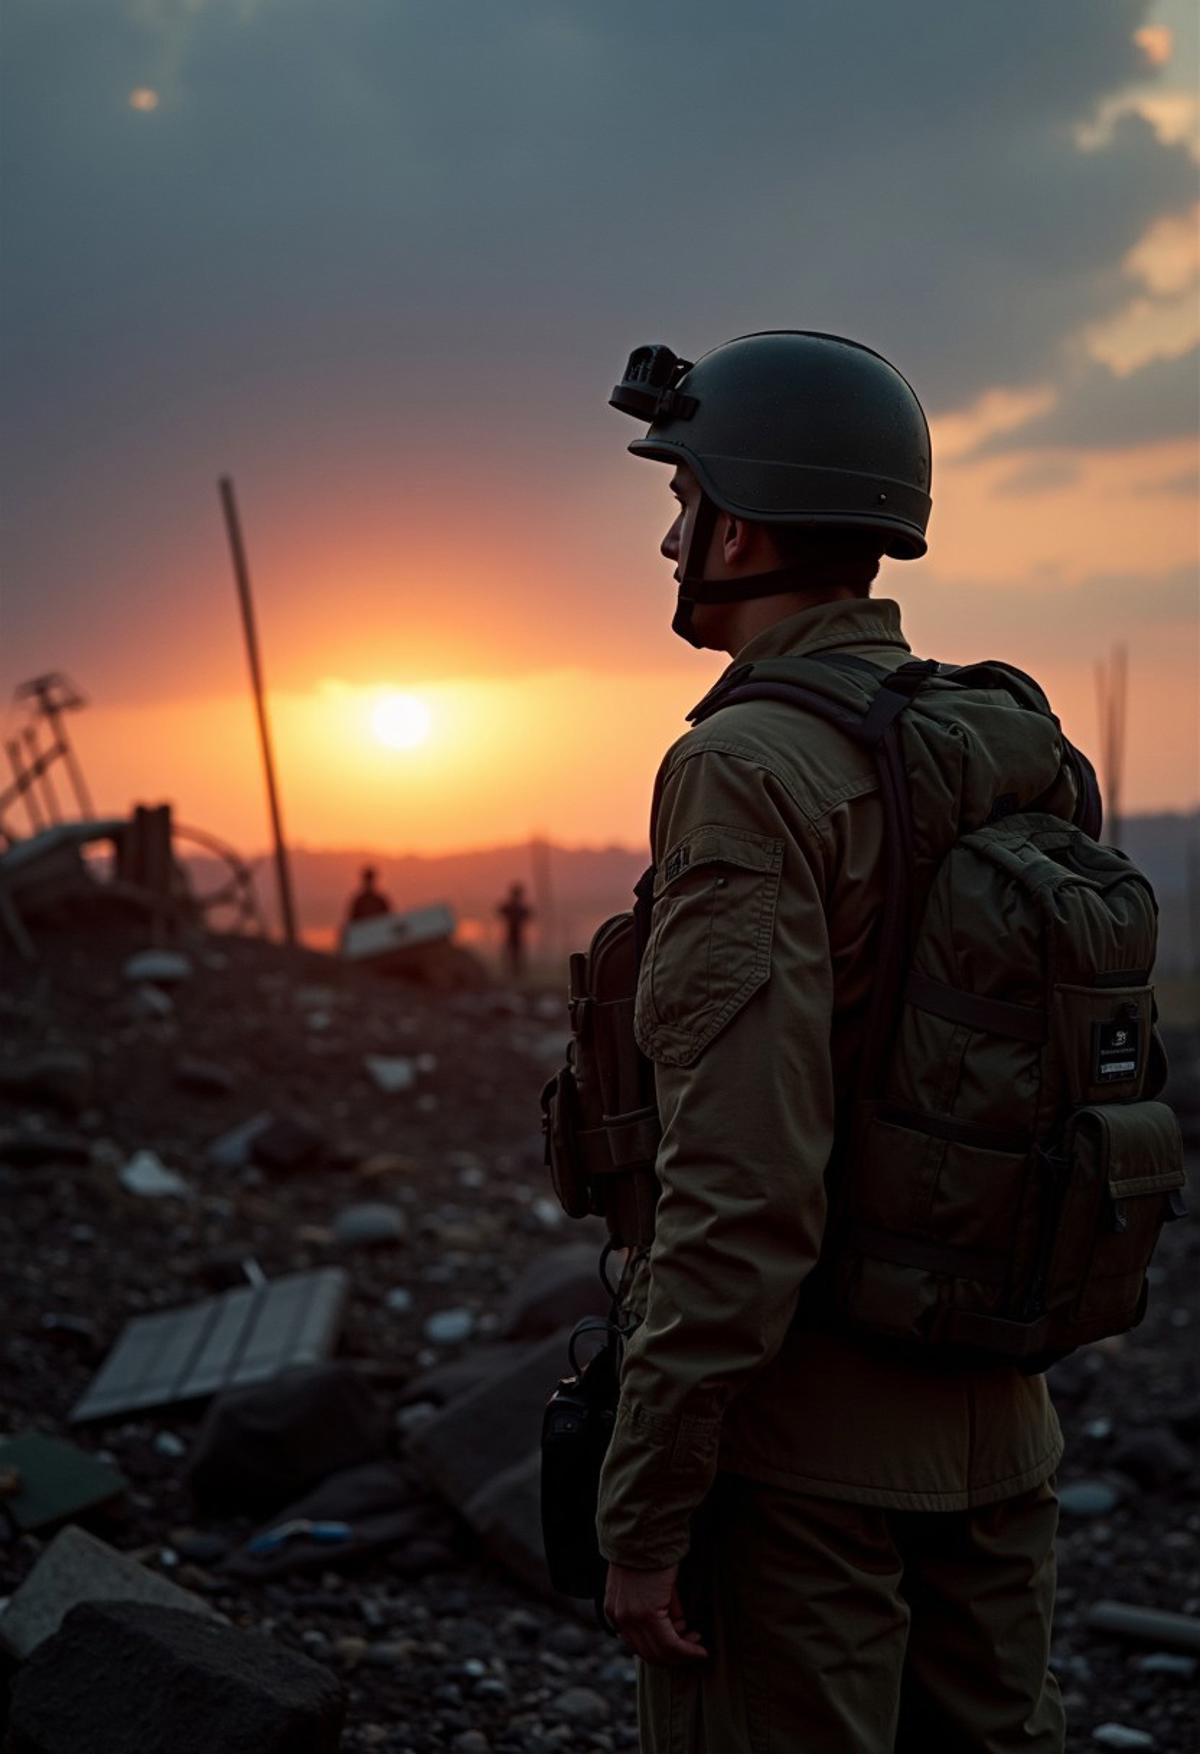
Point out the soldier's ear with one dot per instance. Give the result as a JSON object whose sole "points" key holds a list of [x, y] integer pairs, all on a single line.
{"points": [[735, 540]]}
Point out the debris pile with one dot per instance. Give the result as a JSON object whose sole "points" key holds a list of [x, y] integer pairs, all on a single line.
{"points": [[284, 1298]]}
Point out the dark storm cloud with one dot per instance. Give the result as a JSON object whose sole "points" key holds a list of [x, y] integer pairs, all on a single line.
{"points": [[1101, 411], [516, 188], [431, 230]]}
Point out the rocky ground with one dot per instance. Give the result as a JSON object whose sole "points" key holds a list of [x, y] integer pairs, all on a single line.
{"points": [[439, 1649]]}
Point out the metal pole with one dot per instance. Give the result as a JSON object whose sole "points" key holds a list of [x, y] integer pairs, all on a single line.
{"points": [[1111, 691], [39, 766], [242, 575], [82, 796], [24, 785]]}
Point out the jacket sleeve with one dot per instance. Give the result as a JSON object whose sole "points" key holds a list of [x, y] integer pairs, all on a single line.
{"points": [[734, 1006]]}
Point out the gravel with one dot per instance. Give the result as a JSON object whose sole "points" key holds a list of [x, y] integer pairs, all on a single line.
{"points": [[440, 1650]]}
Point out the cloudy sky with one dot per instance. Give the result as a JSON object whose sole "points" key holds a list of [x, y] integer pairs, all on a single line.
{"points": [[382, 260]]}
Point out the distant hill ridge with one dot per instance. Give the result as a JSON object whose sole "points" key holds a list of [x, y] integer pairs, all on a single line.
{"points": [[586, 884]]}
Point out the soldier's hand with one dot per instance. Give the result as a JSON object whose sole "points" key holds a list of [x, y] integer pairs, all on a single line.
{"points": [[644, 1607]]}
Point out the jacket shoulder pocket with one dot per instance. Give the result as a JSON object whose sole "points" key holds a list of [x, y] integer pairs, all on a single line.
{"points": [[709, 950]]}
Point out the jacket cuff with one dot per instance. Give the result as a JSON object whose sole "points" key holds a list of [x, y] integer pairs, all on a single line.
{"points": [[656, 1474]]}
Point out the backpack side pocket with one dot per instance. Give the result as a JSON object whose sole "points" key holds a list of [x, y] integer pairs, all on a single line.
{"points": [[1122, 1177]]}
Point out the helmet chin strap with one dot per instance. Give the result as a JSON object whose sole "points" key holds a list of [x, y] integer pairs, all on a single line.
{"points": [[694, 588]]}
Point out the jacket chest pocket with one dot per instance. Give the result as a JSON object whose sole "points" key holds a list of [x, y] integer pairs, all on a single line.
{"points": [[715, 901]]}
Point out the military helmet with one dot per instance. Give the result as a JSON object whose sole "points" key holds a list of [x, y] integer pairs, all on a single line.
{"points": [[790, 426]]}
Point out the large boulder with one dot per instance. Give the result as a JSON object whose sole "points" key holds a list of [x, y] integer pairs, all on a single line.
{"points": [[124, 1678], [263, 1445], [76, 1568], [555, 1291]]}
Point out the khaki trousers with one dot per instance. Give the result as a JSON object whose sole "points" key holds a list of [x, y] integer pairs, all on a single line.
{"points": [[844, 1629]]}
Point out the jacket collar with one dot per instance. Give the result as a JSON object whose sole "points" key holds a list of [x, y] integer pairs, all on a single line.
{"points": [[856, 621]]}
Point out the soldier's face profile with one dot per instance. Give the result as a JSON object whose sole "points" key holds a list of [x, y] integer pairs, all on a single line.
{"points": [[682, 486]]}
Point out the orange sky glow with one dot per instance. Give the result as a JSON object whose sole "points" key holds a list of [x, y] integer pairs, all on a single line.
{"points": [[530, 623], [570, 750]]}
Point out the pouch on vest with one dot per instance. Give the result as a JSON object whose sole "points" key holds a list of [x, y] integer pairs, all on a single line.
{"points": [[600, 1117]]}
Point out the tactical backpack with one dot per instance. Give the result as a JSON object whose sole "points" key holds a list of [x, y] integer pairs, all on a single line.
{"points": [[1004, 1171]]}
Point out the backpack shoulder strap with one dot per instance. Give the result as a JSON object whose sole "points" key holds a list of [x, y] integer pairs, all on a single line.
{"points": [[865, 701], [860, 698]]}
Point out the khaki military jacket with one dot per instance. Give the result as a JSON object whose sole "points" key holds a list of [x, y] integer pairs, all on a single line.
{"points": [[767, 834]]}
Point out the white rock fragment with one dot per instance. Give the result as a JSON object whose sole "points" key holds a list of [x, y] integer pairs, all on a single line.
{"points": [[392, 1073], [1119, 1736], [148, 1176], [159, 968], [446, 1327]]}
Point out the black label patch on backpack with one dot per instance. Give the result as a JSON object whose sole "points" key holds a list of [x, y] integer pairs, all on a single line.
{"points": [[678, 862], [1116, 1050]]}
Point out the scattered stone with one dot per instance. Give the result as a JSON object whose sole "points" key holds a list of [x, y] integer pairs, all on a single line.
{"points": [[150, 1005], [381, 1163], [59, 1077], [1088, 1498], [447, 1327], [1118, 1736], [555, 1292], [167, 1444], [147, 1176], [1162, 1662], [198, 1548], [263, 1445], [409, 1419], [393, 1074], [76, 1568], [197, 1684], [398, 1300], [287, 1144], [205, 1077], [579, 1705], [157, 968], [233, 1149], [389, 1653], [350, 1650], [1153, 1625], [1153, 1458], [369, 1225]]}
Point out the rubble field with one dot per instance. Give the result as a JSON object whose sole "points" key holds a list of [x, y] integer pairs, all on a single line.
{"points": [[423, 1106]]}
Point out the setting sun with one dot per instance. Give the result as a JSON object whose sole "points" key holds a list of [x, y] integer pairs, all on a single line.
{"points": [[401, 721]]}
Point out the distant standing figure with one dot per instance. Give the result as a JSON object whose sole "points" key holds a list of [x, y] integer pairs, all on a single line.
{"points": [[516, 914], [368, 904]]}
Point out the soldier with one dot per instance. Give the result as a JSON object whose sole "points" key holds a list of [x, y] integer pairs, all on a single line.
{"points": [[516, 914], [813, 1543], [369, 903]]}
